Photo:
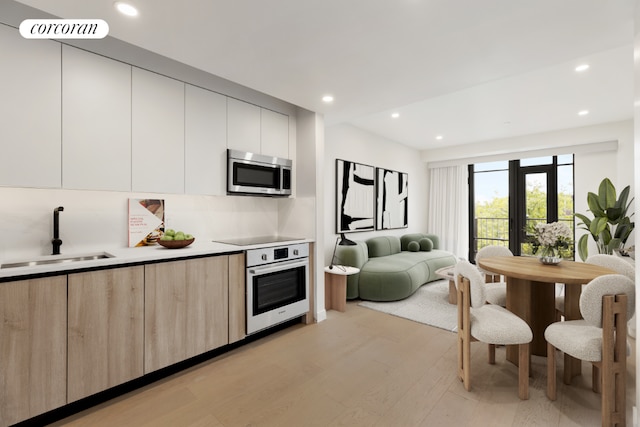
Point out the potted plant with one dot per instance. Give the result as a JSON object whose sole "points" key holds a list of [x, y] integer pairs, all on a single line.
{"points": [[610, 226]]}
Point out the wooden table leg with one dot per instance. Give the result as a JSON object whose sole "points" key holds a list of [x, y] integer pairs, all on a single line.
{"points": [[335, 292], [533, 302]]}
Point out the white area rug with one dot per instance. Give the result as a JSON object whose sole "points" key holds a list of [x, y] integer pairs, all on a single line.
{"points": [[428, 305]]}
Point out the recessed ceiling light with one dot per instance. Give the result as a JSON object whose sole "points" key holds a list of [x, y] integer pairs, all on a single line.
{"points": [[439, 137], [327, 98], [395, 115], [582, 67], [583, 112], [126, 8]]}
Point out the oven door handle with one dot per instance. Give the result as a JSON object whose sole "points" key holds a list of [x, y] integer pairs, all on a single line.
{"points": [[285, 265]]}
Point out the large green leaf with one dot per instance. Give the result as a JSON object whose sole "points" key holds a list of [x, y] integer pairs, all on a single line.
{"points": [[623, 230], [583, 245], [594, 205], [598, 225], [614, 244], [585, 221], [605, 235], [614, 214], [606, 194], [622, 200]]}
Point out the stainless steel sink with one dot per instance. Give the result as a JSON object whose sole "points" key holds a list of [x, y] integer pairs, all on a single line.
{"points": [[56, 259]]}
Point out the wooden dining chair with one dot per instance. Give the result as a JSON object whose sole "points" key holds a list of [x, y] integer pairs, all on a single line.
{"points": [[611, 262], [600, 338], [487, 323], [495, 283]]}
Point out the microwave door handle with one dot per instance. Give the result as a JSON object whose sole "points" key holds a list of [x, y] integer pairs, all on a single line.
{"points": [[279, 267]]}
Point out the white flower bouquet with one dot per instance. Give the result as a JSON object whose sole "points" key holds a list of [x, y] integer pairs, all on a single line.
{"points": [[551, 239]]}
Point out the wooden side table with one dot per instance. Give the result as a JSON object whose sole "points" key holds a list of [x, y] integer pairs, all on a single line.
{"points": [[447, 273], [335, 286]]}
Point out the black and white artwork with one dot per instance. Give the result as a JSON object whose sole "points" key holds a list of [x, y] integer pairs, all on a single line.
{"points": [[392, 198], [355, 196]]}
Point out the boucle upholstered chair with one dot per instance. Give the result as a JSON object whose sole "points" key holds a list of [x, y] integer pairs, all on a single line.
{"points": [[614, 263], [605, 303], [488, 323], [495, 284]]}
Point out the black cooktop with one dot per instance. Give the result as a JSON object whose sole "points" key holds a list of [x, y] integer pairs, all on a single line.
{"points": [[245, 241]]}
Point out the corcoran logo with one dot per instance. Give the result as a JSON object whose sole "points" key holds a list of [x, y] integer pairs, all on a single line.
{"points": [[64, 29]]}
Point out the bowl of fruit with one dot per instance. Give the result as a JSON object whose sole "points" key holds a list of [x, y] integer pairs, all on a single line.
{"points": [[172, 239]]}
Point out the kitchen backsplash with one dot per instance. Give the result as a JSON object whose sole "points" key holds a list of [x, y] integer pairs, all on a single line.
{"points": [[98, 220]]}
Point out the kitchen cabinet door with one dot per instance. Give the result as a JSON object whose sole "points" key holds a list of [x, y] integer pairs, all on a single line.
{"points": [[106, 329], [237, 298], [30, 111], [243, 126], [96, 122], [157, 124], [205, 142], [186, 309], [33, 347], [274, 132]]}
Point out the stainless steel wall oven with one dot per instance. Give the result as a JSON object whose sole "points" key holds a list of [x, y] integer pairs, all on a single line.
{"points": [[277, 285]]}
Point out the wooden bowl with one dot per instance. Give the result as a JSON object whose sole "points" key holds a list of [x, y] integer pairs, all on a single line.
{"points": [[175, 244]]}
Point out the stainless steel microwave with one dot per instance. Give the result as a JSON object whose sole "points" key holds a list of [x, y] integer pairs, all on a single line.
{"points": [[257, 174]]}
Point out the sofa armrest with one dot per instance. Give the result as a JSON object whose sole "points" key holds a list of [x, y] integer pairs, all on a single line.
{"points": [[353, 256]]}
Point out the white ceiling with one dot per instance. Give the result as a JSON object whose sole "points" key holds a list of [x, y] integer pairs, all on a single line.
{"points": [[470, 70]]}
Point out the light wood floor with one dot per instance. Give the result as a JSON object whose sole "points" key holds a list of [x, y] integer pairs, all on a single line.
{"points": [[358, 368]]}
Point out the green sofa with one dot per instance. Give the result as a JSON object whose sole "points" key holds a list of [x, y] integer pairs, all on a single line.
{"points": [[392, 268]]}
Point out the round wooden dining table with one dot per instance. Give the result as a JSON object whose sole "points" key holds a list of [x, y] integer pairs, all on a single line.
{"points": [[531, 296]]}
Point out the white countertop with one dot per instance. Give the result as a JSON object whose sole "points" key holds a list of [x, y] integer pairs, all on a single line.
{"points": [[124, 256]]}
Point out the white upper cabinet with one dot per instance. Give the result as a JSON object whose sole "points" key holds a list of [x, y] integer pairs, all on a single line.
{"points": [[157, 133], [30, 111], [205, 141], [243, 130], [96, 122], [274, 133]]}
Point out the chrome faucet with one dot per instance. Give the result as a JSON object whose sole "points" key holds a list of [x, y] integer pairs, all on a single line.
{"points": [[56, 242]]}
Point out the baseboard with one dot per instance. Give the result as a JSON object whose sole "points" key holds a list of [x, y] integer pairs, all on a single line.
{"points": [[322, 315]]}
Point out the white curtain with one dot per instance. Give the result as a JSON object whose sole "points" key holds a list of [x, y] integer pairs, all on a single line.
{"points": [[448, 209]]}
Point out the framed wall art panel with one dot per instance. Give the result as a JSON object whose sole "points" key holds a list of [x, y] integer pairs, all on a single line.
{"points": [[355, 196], [392, 198]]}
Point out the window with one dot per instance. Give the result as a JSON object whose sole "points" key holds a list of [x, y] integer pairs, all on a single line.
{"points": [[508, 197]]}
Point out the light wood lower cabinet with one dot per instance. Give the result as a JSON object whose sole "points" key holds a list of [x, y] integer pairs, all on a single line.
{"points": [[237, 298], [106, 329], [186, 309], [67, 337], [33, 347]]}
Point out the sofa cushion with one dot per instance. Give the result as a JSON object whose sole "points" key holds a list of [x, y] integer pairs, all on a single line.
{"points": [[413, 246], [426, 244], [404, 240], [383, 246]]}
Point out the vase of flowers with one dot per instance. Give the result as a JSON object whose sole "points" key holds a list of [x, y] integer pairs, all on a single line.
{"points": [[549, 241]]}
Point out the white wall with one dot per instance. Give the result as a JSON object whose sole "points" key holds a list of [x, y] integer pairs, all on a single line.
{"points": [[350, 143], [636, 70], [618, 166], [304, 213]]}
